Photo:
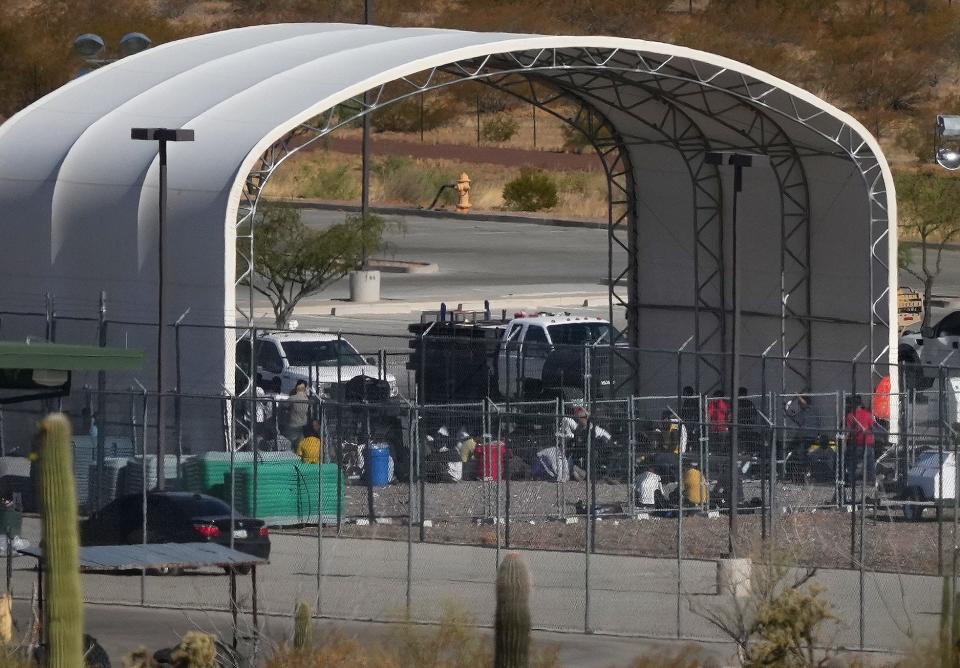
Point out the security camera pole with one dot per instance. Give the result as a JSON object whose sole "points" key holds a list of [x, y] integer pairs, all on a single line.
{"points": [[738, 161], [161, 135]]}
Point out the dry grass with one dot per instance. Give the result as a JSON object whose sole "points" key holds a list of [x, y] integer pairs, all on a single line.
{"points": [[453, 644], [330, 175], [462, 131]]}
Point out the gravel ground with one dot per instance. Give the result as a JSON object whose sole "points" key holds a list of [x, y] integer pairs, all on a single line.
{"points": [[803, 534]]}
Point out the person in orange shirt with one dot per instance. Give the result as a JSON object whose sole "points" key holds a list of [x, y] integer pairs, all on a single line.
{"points": [[881, 402]]}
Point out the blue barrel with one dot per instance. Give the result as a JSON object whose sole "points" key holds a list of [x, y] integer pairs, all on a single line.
{"points": [[380, 466]]}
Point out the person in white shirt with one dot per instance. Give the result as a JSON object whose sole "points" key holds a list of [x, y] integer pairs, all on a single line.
{"points": [[649, 489]]}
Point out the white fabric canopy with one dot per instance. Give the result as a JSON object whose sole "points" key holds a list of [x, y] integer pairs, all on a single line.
{"points": [[79, 196]]}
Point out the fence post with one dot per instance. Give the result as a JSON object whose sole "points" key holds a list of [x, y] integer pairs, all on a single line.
{"points": [[254, 411], [679, 520], [339, 441], [100, 417], [770, 462], [588, 519], [863, 513], [941, 433], [178, 400], [413, 426], [560, 444], [838, 468], [326, 434]]}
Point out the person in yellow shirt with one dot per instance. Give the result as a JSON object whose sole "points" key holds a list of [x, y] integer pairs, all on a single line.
{"points": [[308, 449], [695, 489]]}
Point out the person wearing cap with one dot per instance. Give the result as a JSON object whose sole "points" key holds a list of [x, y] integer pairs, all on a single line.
{"points": [[465, 445], [576, 430]]}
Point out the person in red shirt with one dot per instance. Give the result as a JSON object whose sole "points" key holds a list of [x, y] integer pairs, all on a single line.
{"points": [[859, 429], [718, 418]]}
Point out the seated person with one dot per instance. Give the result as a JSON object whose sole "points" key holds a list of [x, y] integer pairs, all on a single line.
{"points": [[308, 449], [649, 489], [465, 445], [443, 463], [550, 465], [695, 488]]}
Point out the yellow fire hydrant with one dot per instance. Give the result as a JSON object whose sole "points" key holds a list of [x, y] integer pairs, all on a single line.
{"points": [[463, 191]]}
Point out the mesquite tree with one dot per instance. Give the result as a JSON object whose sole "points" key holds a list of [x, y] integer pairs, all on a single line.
{"points": [[293, 261], [928, 204]]}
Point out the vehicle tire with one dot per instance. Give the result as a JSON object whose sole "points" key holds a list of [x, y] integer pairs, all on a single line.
{"points": [[910, 371], [94, 655], [913, 513]]}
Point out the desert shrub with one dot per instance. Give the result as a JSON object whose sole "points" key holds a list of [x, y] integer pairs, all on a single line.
{"points": [[500, 128], [411, 182], [532, 190], [334, 181], [780, 621], [580, 183]]}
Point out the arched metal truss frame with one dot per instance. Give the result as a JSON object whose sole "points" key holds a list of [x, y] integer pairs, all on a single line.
{"points": [[673, 89], [710, 316]]}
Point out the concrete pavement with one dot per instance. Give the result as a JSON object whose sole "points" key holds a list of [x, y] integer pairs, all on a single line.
{"points": [[368, 579]]}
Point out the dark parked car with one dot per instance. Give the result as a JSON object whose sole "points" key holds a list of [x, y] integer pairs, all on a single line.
{"points": [[174, 517]]}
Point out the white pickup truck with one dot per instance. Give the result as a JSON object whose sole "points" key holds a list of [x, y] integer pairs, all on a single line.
{"points": [[922, 350], [323, 359], [531, 356]]}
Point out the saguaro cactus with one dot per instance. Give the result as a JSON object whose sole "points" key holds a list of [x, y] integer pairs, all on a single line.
{"points": [[513, 614], [61, 545], [301, 626]]}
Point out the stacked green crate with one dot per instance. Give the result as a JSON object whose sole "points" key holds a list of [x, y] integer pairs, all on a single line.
{"points": [[288, 492], [207, 472]]}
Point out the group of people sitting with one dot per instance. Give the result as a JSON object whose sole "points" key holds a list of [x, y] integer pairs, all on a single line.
{"points": [[649, 489]]}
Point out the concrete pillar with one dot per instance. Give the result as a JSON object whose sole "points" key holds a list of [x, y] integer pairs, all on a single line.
{"points": [[364, 286], [733, 577]]}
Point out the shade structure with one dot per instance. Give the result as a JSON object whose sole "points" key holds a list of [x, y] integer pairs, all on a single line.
{"points": [[817, 224]]}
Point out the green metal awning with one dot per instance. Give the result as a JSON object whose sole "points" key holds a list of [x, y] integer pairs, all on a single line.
{"points": [[62, 357]]}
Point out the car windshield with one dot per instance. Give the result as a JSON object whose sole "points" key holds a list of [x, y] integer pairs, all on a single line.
{"points": [[950, 325], [582, 333], [321, 353], [203, 506]]}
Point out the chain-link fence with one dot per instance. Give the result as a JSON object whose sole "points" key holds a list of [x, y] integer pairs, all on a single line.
{"points": [[393, 481], [385, 507]]}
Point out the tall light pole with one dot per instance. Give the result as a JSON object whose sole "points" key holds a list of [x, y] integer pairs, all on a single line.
{"points": [[162, 136], [365, 146], [738, 161]]}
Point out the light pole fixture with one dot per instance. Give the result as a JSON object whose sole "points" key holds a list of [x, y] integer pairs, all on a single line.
{"points": [[947, 154], [91, 47], [738, 161], [162, 136]]}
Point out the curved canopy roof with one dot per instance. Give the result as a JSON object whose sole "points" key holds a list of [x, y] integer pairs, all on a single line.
{"points": [[79, 196]]}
